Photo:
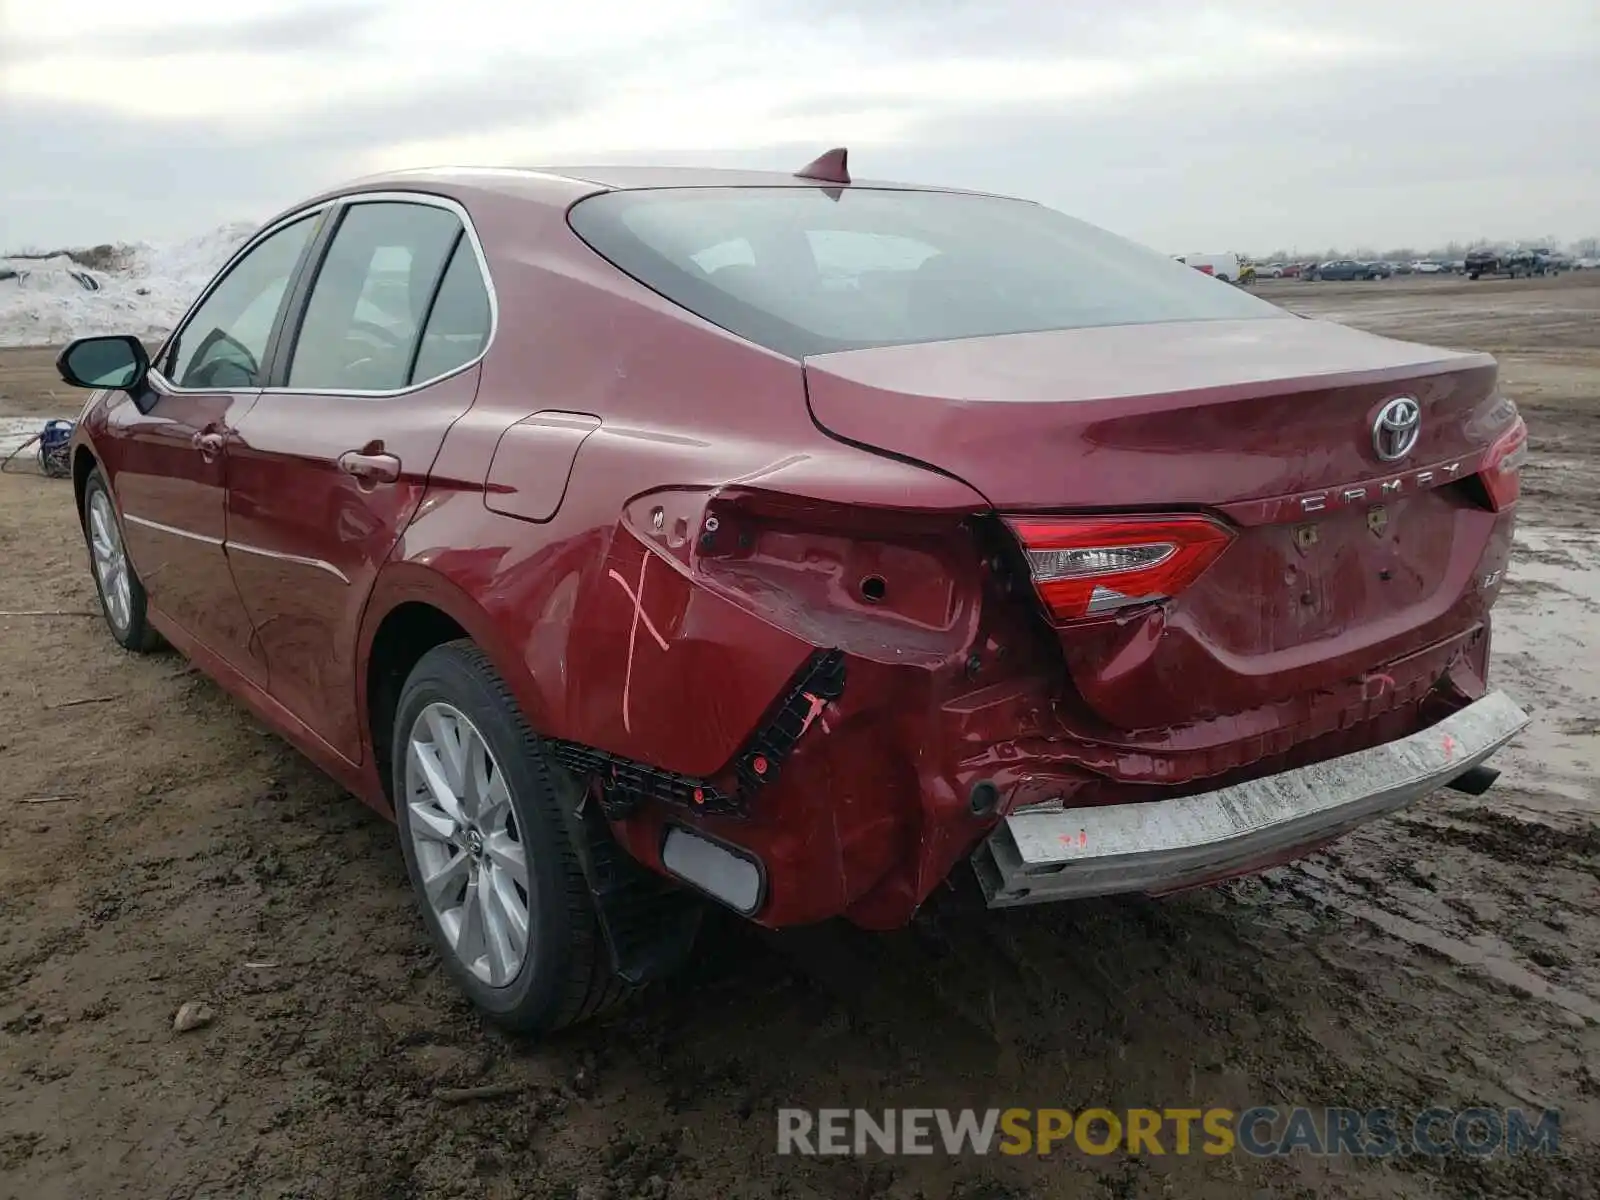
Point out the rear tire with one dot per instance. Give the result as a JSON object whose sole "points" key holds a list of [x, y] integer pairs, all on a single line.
{"points": [[122, 597], [496, 848]]}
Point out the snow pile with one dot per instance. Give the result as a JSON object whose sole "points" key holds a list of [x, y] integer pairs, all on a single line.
{"points": [[142, 289], [56, 275]]}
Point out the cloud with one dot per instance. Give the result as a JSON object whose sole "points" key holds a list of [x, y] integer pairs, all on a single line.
{"points": [[297, 31], [1332, 160], [1237, 123]]}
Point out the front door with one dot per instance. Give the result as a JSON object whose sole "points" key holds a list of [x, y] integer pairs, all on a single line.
{"points": [[329, 466], [169, 448]]}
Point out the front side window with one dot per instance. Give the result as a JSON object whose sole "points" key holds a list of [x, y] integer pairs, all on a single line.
{"points": [[805, 270], [372, 296], [224, 344]]}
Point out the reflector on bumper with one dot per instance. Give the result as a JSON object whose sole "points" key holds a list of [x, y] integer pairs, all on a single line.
{"points": [[733, 877], [1165, 845]]}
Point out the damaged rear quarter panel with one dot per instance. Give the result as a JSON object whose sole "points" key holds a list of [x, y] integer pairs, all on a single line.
{"points": [[621, 630]]}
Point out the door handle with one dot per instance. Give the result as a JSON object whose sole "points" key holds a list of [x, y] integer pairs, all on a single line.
{"points": [[370, 468], [209, 444]]}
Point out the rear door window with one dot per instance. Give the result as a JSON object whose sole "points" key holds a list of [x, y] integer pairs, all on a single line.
{"points": [[369, 304]]}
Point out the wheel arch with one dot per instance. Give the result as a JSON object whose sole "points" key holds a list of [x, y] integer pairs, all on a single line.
{"points": [[83, 463], [413, 609]]}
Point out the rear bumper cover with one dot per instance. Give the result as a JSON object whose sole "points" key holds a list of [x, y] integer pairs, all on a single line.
{"points": [[1167, 845]]}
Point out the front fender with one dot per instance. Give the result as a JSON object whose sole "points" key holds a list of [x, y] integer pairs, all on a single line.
{"points": [[86, 429]]}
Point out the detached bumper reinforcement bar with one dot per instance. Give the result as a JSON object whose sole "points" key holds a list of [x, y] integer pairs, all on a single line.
{"points": [[1166, 845]]}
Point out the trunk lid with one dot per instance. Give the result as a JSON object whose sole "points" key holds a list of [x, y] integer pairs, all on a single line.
{"points": [[1342, 562]]}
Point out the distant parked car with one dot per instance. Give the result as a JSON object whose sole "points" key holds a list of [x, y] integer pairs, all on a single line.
{"points": [[1586, 263], [1428, 266], [1293, 270], [1346, 269], [1550, 262], [1270, 270]]}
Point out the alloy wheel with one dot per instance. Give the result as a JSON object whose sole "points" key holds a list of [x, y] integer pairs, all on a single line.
{"points": [[469, 851], [110, 560]]}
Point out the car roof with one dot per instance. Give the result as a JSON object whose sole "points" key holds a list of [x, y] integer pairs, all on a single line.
{"points": [[491, 192], [563, 185], [634, 178]]}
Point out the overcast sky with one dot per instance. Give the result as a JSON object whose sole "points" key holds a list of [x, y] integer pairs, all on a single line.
{"points": [[1243, 124]]}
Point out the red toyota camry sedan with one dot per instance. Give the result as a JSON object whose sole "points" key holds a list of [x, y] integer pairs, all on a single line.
{"points": [[636, 537]]}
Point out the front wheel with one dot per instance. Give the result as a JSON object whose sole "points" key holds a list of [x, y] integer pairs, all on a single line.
{"points": [[122, 596], [486, 843]]}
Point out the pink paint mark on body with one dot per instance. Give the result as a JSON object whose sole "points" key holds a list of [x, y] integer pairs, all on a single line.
{"points": [[639, 616], [1380, 679], [1449, 746], [817, 705]]}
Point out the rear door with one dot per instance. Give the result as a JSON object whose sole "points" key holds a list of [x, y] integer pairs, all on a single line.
{"points": [[378, 360], [168, 453]]}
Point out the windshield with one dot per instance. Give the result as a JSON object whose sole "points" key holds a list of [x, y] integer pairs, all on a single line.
{"points": [[805, 270]]}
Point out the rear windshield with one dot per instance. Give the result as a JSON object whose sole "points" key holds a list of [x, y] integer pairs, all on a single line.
{"points": [[805, 270]]}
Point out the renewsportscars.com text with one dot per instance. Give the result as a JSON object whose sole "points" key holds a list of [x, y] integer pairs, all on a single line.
{"points": [[1260, 1132]]}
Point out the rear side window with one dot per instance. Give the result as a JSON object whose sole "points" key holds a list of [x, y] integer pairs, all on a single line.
{"points": [[802, 272], [458, 325], [371, 297]]}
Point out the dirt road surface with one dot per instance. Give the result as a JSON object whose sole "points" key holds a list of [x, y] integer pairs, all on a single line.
{"points": [[159, 847]]}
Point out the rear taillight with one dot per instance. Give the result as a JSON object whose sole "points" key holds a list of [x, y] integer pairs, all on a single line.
{"points": [[1501, 471], [1084, 566]]}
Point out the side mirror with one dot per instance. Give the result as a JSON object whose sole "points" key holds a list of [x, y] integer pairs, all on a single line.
{"points": [[104, 362]]}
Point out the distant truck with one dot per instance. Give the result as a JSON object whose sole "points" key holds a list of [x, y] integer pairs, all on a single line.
{"points": [[1514, 263], [1223, 266]]}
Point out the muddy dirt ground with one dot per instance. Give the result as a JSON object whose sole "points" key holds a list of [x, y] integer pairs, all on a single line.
{"points": [[159, 847]]}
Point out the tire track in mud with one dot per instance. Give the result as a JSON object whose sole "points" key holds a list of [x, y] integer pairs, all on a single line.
{"points": [[1547, 652], [1480, 952]]}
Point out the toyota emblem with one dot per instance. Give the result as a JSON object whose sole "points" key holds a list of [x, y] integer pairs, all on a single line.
{"points": [[1394, 432]]}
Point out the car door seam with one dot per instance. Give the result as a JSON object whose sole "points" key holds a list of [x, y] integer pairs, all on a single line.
{"points": [[172, 529], [281, 556]]}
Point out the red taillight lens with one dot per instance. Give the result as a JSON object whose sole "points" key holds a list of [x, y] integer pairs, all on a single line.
{"points": [[1502, 467], [1085, 566]]}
